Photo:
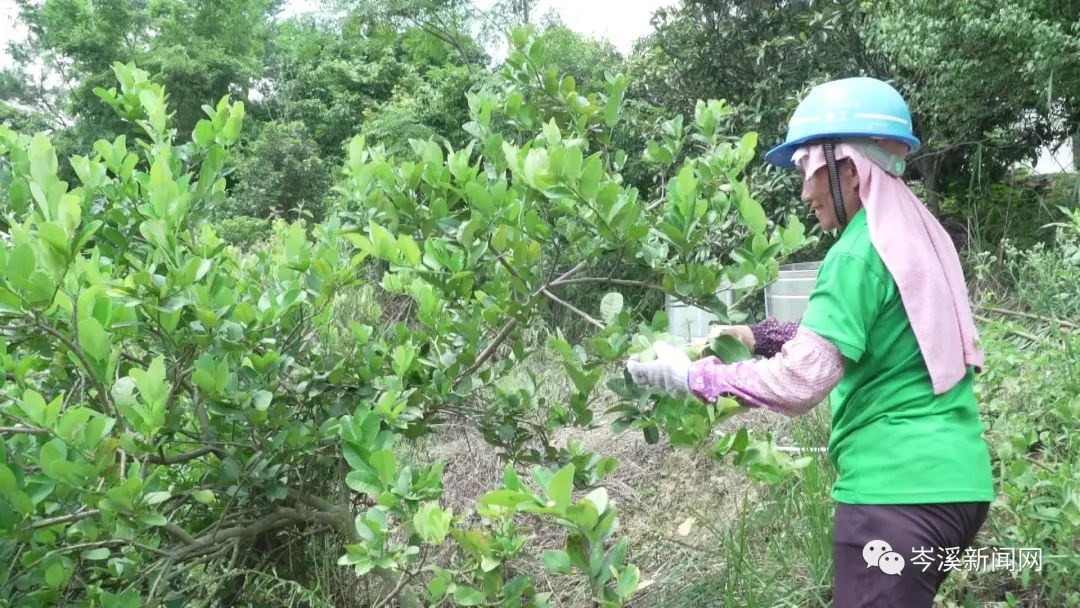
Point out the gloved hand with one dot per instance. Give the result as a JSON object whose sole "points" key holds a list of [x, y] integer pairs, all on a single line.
{"points": [[669, 372]]}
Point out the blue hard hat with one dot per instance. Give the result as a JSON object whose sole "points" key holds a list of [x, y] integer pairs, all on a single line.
{"points": [[851, 107]]}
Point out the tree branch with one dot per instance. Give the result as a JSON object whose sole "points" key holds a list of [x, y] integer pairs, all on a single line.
{"points": [[580, 313], [1016, 332], [510, 325], [103, 394], [1027, 315], [186, 456], [179, 533], [490, 350], [26, 430], [621, 282], [64, 519]]}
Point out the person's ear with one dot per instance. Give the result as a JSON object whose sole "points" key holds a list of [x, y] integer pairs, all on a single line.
{"points": [[853, 174]]}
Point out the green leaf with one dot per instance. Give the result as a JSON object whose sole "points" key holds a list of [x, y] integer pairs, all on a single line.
{"points": [[261, 400], [127, 599], [151, 519], [610, 306], [628, 581], [746, 282], [55, 236], [204, 133], [156, 498], [386, 247], [43, 162], [652, 435], [21, 262], [432, 523], [794, 233], [747, 145], [558, 561], [154, 391], [615, 97], [535, 169], [205, 497], [70, 213], [33, 404], [7, 481], [729, 349], [93, 339], [96, 554], [561, 487], [232, 126], [385, 465], [56, 575], [752, 214], [591, 175], [409, 250], [469, 596]]}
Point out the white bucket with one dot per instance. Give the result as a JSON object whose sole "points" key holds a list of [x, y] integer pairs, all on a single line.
{"points": [[787, 297], [690, 322]]}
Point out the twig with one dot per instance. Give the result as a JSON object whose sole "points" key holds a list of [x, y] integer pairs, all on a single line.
{"points": [[580, 313], [103, 394], [622, 282], [64, 519], [114, 542], [509, 327], [1016, 332], [799, 450], [157, 581], [1028, 315], [26, 430], [393, 592], [179, 458], [490, 350], [570, 273]]}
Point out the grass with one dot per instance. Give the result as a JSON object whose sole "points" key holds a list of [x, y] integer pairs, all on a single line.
{"points": [[778, 552]]}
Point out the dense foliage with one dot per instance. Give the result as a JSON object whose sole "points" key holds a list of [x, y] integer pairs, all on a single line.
{"points": [[174, 401]]}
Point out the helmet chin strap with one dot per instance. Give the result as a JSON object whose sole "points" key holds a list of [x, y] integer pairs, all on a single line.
{"points": [[834, 185]]}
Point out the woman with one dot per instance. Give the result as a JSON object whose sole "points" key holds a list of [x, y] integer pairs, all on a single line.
{"points": [[888, 336]]}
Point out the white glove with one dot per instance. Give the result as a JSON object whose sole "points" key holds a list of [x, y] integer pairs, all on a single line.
{"points": [[668, 372]]}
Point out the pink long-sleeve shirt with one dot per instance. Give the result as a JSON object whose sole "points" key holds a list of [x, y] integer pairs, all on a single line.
{"points": [[799, 372]]}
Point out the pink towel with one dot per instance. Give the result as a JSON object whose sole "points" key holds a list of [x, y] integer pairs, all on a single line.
{"points": [[922, 260]]}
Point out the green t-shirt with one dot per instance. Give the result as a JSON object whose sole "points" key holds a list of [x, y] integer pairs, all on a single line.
{"points": [[893, 441]]}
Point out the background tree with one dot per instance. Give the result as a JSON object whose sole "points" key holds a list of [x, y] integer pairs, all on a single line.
{"points": [[201, 50]]}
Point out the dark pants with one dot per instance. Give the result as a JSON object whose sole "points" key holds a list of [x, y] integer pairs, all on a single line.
{"points": [[898, 555]]}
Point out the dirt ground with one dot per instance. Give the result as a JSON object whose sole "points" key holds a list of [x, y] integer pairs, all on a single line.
{"points": [[673, 503]]}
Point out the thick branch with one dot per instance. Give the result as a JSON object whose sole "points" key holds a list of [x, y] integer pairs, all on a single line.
{"points": [[179, 533]]}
